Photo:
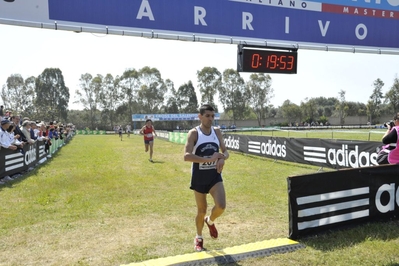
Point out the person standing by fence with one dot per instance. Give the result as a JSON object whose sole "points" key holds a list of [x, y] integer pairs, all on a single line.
{"points": [[391, 140]]}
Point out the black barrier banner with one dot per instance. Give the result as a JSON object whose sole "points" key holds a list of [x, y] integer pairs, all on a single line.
{"points": [[323, 201], [337, 154], [20, 160]]}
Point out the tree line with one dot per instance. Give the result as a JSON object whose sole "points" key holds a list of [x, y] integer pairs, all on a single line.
{"points": [[109, 100]]}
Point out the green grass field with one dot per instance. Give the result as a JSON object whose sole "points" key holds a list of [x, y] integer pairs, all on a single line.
{"points": [[99, 201]]}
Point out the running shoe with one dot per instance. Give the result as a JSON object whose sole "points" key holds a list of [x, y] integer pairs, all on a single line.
{"points": [[212, 228], [199, 244]]}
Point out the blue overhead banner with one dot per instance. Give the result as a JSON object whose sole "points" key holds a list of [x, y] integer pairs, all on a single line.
{"points": [[169, 117], [366, 23]]}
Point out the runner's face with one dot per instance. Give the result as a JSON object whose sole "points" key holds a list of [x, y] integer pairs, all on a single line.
{"points": [[148, 124], [207, 118]]}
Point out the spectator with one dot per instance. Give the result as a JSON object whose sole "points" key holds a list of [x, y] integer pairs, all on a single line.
{"points": [[128, 129], [391, 138], [16, 120], [41, 135], [50, 132], [7, 114], [5, 136], [61, 131], [56, 133], [33, 130], [1, 112], [14, 138], [120, 131], [5, 142], [50, 135], [26, 131]]}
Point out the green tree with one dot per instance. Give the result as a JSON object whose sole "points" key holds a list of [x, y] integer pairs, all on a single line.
{"points": [[325, 104], [110, 96], [375, 100], [89, 94], [30, 97], [152, 90], [342, 107], [187, 98], [52, 96], [392, 96], [291, 112], [309, 110], [18, 95], [259, 94], [129, 85], [233, 94], [171, 106], [209, 83]]}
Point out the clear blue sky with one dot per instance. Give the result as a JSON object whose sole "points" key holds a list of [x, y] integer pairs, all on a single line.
{"points": [[28, 51]]}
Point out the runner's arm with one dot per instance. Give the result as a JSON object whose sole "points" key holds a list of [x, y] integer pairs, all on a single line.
{"points": [[142, 131], [223, 147]]}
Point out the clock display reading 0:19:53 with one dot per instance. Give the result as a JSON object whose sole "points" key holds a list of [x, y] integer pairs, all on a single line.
{"points": [[268, 61]]}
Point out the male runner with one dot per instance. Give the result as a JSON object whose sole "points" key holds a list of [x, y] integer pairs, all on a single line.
{"points": [[202, 149]]}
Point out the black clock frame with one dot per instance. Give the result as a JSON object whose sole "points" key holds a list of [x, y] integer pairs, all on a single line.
{"points": [[246, 53]]}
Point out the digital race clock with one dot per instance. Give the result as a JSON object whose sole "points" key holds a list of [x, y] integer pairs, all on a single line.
{"points": [[266, 59]]}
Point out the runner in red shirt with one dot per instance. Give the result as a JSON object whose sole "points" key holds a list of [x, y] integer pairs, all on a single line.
{"points": [[148, 131]]}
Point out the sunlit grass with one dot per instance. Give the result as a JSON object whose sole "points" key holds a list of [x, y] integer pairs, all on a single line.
{"points": [[99, 201]]}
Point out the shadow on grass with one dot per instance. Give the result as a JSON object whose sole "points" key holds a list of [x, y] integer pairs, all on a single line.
{"points": [[349, 236], [230, 264], [156, 161], [26, 174], [281, 162]]}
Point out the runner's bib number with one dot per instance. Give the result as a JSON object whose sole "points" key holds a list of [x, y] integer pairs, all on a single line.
{"points": [[207, 165], [149, 135]]}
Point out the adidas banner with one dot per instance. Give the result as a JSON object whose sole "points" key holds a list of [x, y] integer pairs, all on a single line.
{"points": [[323, 201], [335, 154], [13, 162]]}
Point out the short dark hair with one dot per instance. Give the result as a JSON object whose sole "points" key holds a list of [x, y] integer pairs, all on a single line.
{"points": [[148, 120], [206, 107]]}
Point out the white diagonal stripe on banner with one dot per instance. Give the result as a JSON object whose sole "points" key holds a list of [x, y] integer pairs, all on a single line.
{"points": [[253, 147], [310, 159], [311, 148], [15, 166], [333, 207], [333, 195], [333, 219], [18, 160], [14, 155], [315, 154]]}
